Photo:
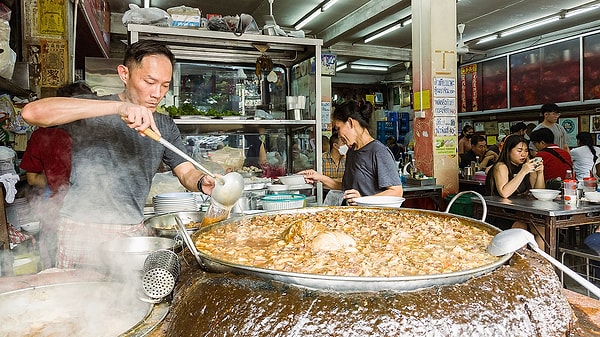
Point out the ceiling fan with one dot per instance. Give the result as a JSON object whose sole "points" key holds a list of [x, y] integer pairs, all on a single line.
{"points": [[461, 47]]}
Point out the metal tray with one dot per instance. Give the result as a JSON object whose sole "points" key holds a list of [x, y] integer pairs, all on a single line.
{"points": [[346, 283]]}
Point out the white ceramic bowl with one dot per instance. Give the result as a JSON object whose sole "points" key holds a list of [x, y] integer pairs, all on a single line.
{"points": [[544, 194], [380, 201], [590, 196], [294, 179]]}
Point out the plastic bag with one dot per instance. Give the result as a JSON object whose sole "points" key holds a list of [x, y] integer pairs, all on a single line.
{"points": [[146, 16]]}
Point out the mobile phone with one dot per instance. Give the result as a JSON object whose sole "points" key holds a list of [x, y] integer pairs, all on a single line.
{"points": [[537, 160]]}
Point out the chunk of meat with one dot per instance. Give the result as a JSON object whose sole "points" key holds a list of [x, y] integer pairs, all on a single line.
{"points": [[302, 230], [328, 241]]}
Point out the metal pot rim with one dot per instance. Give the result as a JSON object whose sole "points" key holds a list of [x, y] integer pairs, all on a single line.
{"points": [[350, 283]]}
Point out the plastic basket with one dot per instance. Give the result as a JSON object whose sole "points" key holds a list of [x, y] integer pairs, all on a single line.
{"points": [[283, 201]]}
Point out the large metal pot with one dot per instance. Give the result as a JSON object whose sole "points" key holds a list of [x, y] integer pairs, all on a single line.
{"points": [[124, 256], [164, 224], [343, 283], [78, 309]]}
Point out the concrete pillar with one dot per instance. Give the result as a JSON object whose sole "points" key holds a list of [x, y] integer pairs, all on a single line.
{"points": [[434, 86]]}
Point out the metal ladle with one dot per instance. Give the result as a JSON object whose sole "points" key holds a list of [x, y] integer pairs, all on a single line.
{"points": [[511, 240], [228, 189]]}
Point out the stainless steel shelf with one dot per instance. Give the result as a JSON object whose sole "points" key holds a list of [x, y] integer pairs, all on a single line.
{"points": [[198, 126]]}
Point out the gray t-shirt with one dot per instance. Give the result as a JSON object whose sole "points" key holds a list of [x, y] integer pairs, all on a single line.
{"points": [[113, 167], [560, 135], [371, 169]]}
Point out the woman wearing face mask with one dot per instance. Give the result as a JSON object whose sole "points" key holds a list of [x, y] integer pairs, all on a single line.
{"points": [[370, 165], [464, 143]]}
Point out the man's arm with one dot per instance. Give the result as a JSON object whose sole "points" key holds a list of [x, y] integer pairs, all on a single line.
{"points": [[61, 110]]}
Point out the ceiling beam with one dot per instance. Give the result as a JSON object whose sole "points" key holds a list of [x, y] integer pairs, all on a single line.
{"points": [[371, 52], [371, 12]]}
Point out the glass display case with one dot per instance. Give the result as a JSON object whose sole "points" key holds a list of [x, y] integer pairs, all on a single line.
{"points": [[235, 107]]}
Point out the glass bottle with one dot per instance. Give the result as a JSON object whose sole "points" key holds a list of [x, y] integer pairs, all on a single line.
{"points": [[569, 175], [412, 169]]}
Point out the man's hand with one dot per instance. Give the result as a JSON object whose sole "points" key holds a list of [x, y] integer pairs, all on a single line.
{"points": [[137, 117]]}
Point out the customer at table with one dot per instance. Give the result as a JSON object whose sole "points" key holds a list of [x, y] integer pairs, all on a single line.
{"points": [[556, 160], [112, 161], [479, 154], [464, 141], [514, 174], [519, 128], [584, 155], [370, 165]]}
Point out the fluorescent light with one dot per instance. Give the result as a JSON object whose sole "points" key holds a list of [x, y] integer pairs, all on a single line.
{"points": [[487, 39], [407, 22], [308, 19], [365, 67], [382, 33], [341, 67], [146, 4], [329, 4], [580, 11], [529, 26]]}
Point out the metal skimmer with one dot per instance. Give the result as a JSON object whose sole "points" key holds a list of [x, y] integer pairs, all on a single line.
{"points": [[161, 270]]}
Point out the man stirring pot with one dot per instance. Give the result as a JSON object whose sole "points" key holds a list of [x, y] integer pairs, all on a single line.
{"points": [[112, 162]]}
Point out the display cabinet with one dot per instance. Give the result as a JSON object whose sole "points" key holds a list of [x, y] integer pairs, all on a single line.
{"points": [[237, 100]]}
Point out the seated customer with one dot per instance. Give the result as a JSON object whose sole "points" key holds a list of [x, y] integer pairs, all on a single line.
{"points": [[556, 160], [478, 149], [513, 174]]}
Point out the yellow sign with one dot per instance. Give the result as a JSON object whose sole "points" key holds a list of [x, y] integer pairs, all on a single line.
{"points": [[52, 14], [424, 97]]}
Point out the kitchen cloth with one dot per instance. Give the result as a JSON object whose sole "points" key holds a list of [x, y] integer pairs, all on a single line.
{"points": [[10, 181]]}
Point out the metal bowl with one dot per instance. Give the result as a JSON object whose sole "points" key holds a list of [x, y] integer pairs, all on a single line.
{"points": [[127, 255], [349, 283], [164, 224]]}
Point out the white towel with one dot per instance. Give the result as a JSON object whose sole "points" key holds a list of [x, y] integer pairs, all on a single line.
{"points": [[10, 181]]}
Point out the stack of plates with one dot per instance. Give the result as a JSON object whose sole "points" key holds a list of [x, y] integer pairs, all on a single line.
{"points": [[174, 202]]}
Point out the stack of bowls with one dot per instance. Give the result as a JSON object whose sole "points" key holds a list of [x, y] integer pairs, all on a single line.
{"points": [[174, 202]]}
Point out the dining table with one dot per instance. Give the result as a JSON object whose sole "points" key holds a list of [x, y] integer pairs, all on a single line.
{"points": [[553, 215]]}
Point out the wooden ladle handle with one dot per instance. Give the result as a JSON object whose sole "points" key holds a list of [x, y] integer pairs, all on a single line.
{"points": [[148, 132]]}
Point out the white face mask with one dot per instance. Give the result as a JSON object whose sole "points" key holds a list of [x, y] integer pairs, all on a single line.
{"points": [[343, 149]]}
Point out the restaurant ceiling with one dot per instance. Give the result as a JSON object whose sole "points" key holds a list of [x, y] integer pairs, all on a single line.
{"points": [[344, 26]]}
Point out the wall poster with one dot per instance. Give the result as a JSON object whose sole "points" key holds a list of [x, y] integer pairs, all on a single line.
{"points": [[54, 63], [595, 124], [571, 126]]}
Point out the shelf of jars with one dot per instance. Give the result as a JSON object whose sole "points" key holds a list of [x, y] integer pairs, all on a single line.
{"points": [[223, 74]]}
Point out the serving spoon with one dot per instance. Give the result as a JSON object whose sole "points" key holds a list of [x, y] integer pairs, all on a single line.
{"points": [[510, 240]]}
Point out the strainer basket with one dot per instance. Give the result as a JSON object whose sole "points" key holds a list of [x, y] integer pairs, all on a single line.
{"points": [[276, 202], [161, 270]]}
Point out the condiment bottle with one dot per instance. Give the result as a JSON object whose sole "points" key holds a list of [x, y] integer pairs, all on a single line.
{"points": [[569, 175]]}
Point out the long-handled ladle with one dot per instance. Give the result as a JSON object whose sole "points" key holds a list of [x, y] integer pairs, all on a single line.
{"points": [[511, 240], [153, 135]]}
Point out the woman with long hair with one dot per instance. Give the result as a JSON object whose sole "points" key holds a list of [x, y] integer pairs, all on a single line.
{"points": [[584, 155], [514, 174], [370, 165]]}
